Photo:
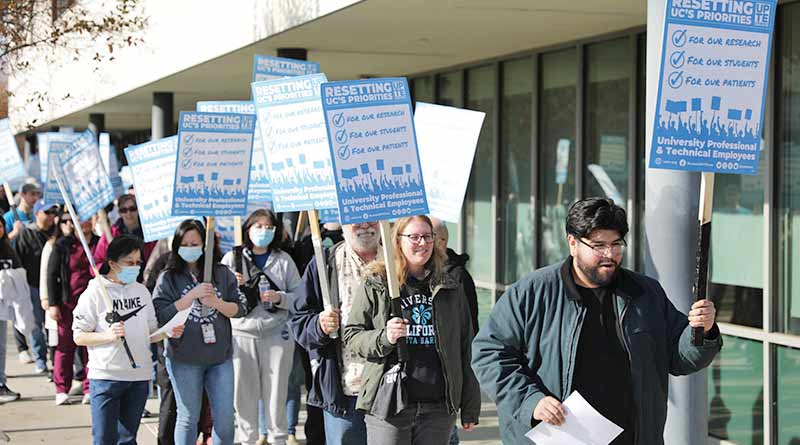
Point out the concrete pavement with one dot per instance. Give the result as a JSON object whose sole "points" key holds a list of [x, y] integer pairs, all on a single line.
{"points": [[35, 419]]}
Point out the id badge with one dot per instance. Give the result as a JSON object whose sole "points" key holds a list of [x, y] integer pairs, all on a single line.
{"points": [[209, 337]]}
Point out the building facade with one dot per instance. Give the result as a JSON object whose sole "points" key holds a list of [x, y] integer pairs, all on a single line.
{"points": [[564, 89]]}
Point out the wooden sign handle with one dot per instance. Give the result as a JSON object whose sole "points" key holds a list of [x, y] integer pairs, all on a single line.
{"points": [[112, 316], [328, 301], [237, 244], [10, 199], [393, 284], [703, 243], [105, 224], [298, 231], [208, 260]]}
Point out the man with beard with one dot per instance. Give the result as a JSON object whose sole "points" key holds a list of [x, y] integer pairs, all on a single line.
{"points": [[591, 326], [337, 372]]}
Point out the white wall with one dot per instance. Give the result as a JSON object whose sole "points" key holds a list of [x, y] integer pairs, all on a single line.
{"points": [[180, 34]]}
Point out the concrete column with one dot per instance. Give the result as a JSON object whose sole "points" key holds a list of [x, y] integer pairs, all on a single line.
{"points": [[671, 206], [162, 124], [97, 123]]}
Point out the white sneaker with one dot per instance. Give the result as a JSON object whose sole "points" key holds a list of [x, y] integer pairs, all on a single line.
{"points": [[86, 399], [25, 357], [77, 388], [62, 398]]}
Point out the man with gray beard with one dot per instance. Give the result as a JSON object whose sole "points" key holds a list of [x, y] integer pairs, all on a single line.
{"points": [[337, 372]]}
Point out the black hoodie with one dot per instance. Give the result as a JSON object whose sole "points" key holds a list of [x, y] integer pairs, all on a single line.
{"points": [[457, 266]]}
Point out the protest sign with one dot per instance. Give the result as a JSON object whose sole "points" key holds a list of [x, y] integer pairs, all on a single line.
{"points": [[109, 156], [710, 100], [374, 150], [12, 170], [270, 67], [259, 191], [447, 139], [152, 167], [44, 141], [213, 166], [293, 130], [376, 164], [86, 181], [712, 86]]}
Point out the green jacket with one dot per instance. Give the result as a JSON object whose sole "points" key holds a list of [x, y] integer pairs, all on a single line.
{"points": [[365, 335], [526, 350]]}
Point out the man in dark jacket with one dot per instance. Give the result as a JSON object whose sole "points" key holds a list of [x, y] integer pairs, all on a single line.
{"points": [[457, 266], [337, 372], [302, 253], [28, 246], [590, 326]]}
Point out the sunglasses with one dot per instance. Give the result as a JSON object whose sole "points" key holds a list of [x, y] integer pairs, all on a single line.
{"points": [[52, 212], [124, 210], [66, 221]]}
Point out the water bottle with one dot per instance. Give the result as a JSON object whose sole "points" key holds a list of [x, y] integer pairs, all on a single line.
{"points": [[263, 286]]}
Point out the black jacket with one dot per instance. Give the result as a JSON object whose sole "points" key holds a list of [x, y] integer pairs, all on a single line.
{"points": [[28, 247], [457, 267], [303, 250], [326, 353], [58, 271]]}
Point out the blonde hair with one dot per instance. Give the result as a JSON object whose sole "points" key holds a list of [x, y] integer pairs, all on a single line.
{"points": [[435, 264]]}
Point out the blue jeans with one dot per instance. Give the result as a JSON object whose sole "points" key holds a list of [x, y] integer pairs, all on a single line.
{"points": [[3, 334], [37, 339], [347, 430], [116, 410], [188, 382], [454, 436], [296, 380]]}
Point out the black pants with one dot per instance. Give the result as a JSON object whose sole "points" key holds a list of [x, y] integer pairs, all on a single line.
{"points": [[315, 426]]}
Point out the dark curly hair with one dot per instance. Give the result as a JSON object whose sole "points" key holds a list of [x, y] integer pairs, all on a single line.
{"points": [[590, 214]]}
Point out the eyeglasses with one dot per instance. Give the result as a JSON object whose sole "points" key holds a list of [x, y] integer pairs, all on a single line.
{"points": [[124, 210], [602, 250], [416, 237], [68, 220], [52, 212]]}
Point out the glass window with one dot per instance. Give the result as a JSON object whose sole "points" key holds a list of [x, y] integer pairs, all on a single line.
{"points": [[481, 84], [556, 150], [423, 89], [788, 396], [789, 172], [484, 304], [608, 66], [736, 281], [736, 393], [451, 93], [515, 176]]}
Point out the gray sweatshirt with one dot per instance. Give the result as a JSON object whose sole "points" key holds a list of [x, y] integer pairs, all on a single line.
{"points": [[191, 348], [281, 270]]}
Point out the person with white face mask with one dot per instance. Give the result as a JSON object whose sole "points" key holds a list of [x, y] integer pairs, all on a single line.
{"points": [[262, 347], [203, 357], [118, 391]]}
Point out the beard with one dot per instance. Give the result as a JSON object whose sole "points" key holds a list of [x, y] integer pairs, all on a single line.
{"points": [[362, 239], [601, 274]]}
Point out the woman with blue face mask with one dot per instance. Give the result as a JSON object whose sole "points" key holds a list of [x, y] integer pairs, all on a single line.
{"points": [[263, 350], [203, 356], [118, 391]]}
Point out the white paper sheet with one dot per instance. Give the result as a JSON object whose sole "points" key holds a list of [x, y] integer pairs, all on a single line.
{"points": [[583, 425], [177, 320]]}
